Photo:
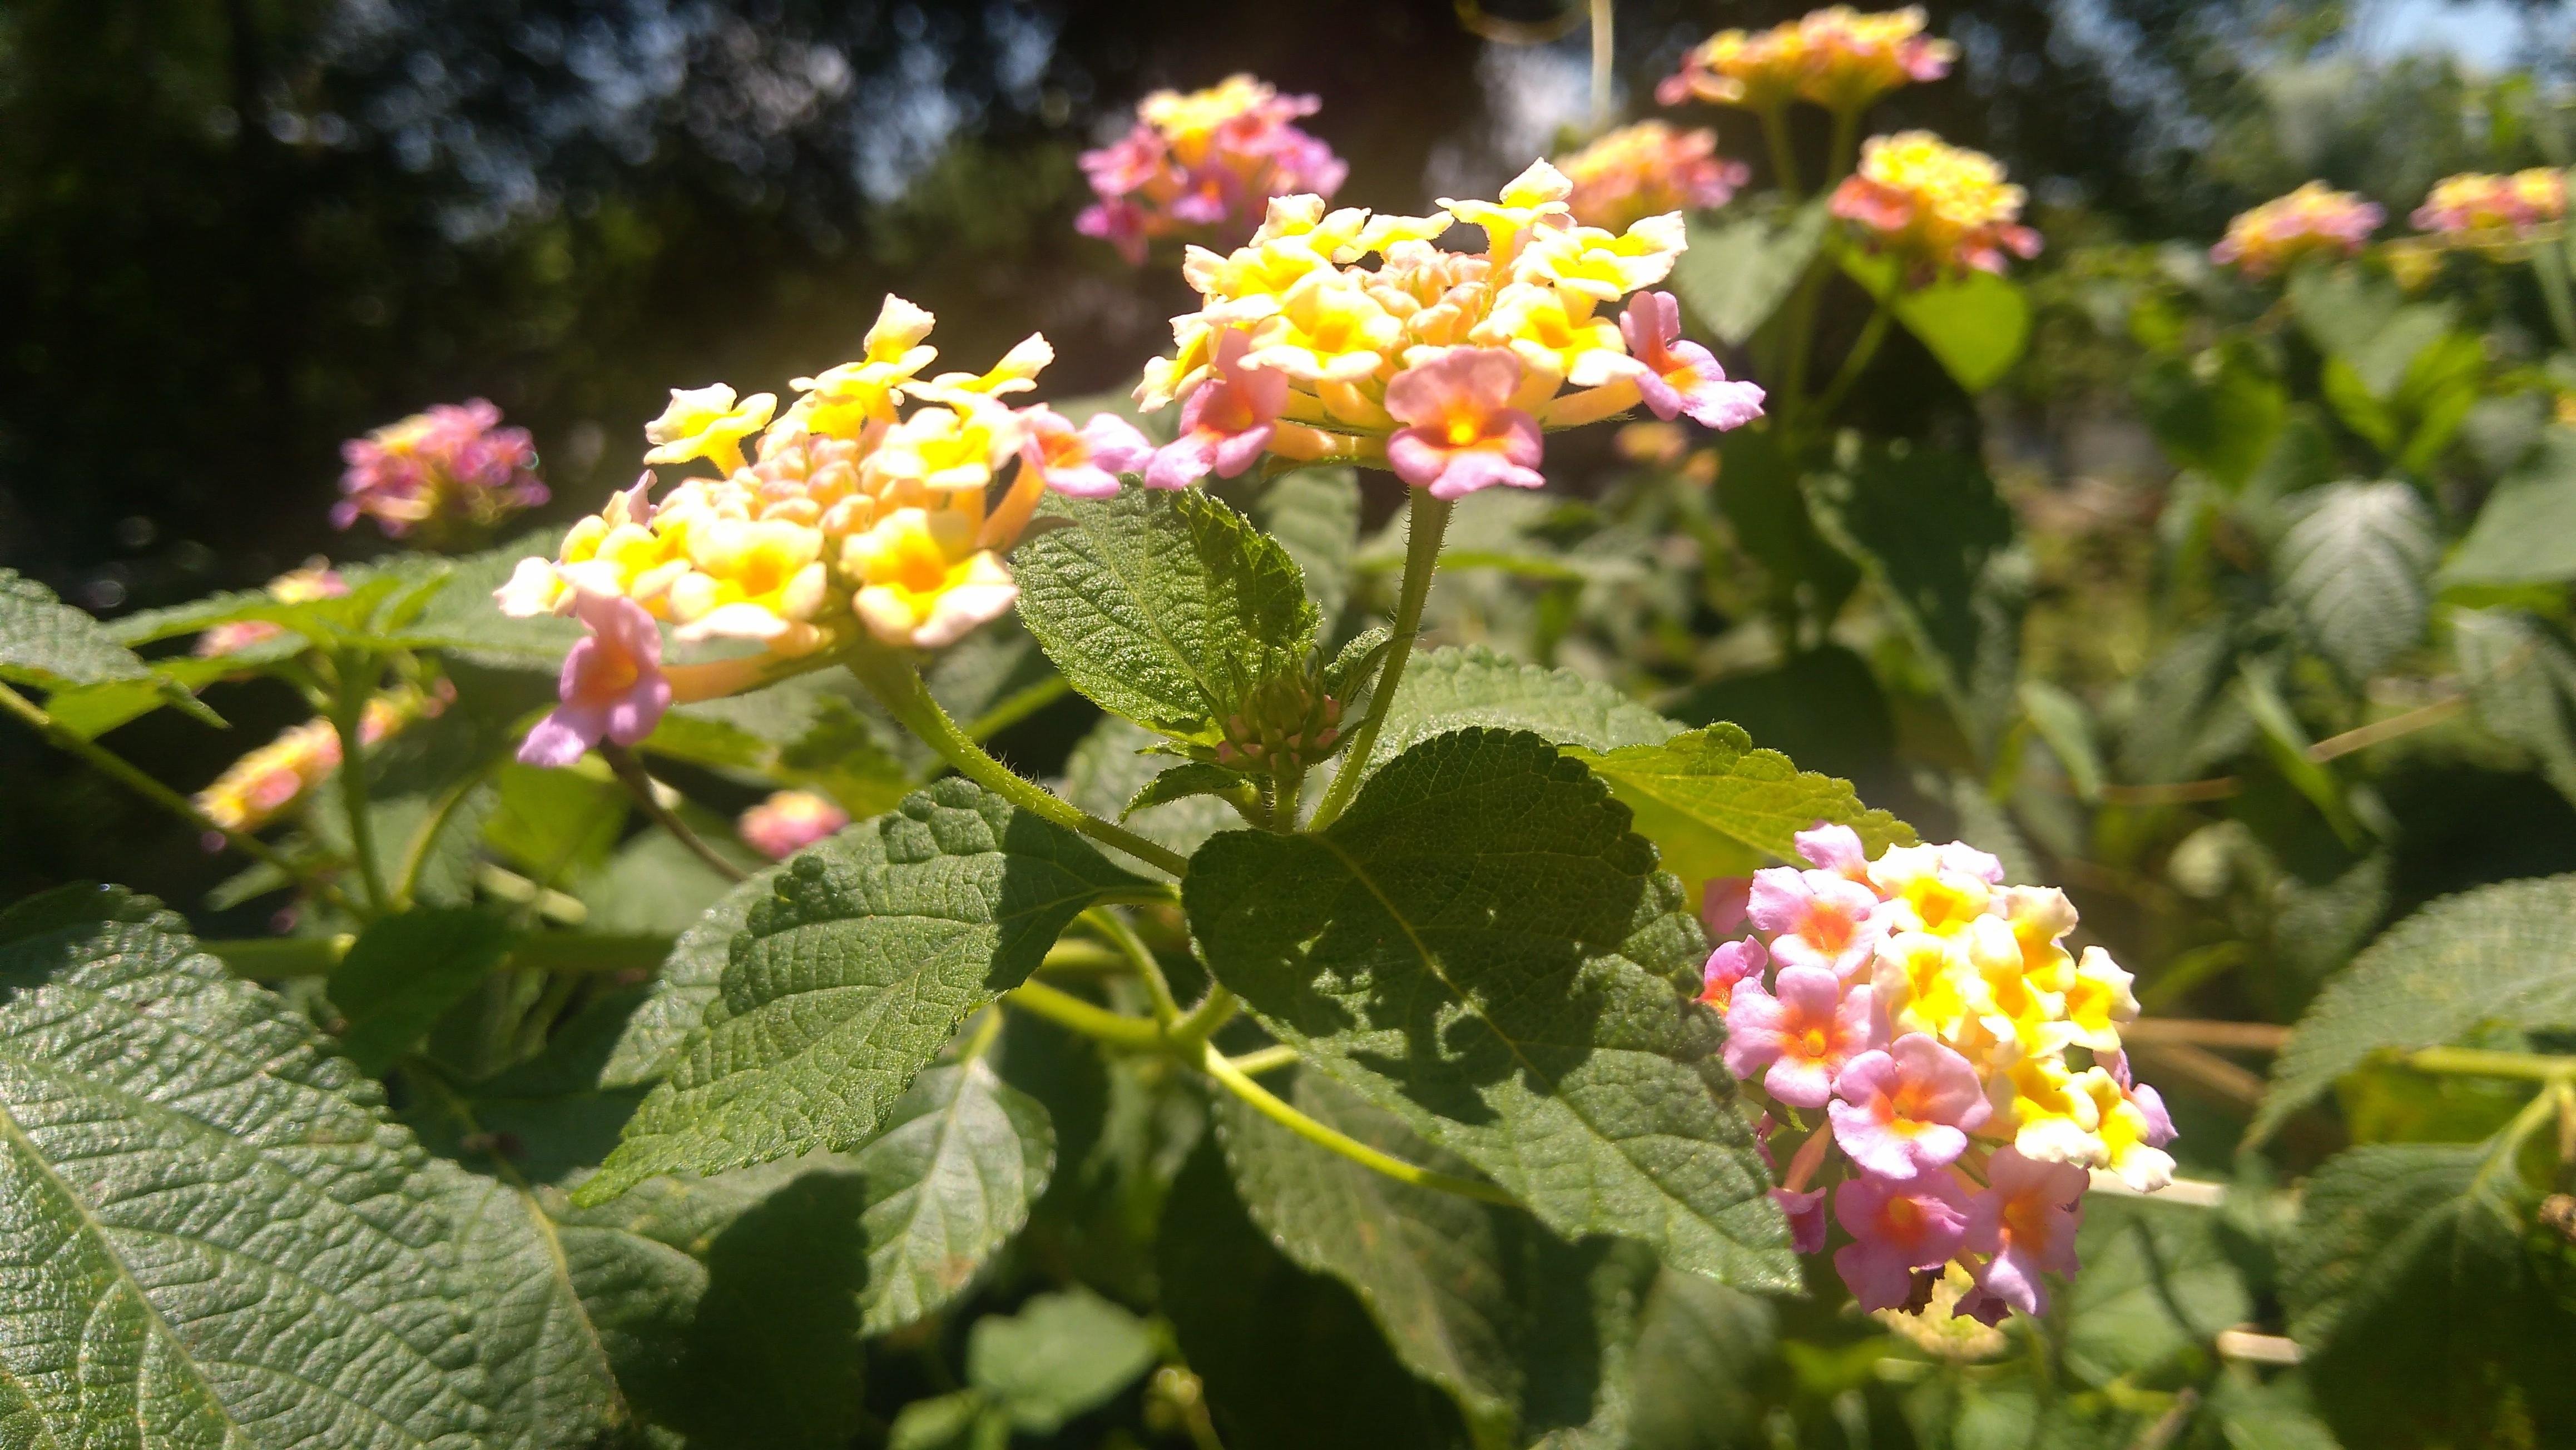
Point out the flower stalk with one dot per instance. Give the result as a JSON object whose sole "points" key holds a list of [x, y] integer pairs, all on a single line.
{"points": [[1430, 521]]}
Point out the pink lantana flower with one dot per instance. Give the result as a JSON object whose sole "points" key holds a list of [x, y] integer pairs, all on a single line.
{"points": [[1803, 1036], [1081, 462], [2027, 1219], [1722, 902], [612, 685], [1227, 422], [1806, 1213], [1907, 1110], [1836, 849], [1676, 376], [1896, 1229], [1462, 432], [1821, 920], [1732, 962], [788, 822]]}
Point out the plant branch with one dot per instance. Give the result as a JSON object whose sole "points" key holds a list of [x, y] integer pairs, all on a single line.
{"points": [[115, 767], [1203, 1020], [2475, 1062], [2247, 1036], [1067, 1010], [1332, 1140], [630, 773], [896, 685], [1266, 1059], [1424, 529], [1601, 59], [1140, 957], [353, 682]]}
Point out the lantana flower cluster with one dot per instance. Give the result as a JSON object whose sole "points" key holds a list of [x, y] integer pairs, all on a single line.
{"points": [[1955, 1068], [1204, 165], [1446, 365], [316, 579], [1638, 171], [879, 502], [1940, 209], [1837, 58], [263, 784], [453, 467], [2313, 221], [2478, 208]]}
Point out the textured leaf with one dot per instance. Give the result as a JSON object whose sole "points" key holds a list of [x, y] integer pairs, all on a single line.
{"points": [[1264, 1335], [1974, 324], [1737, 272], [2499, 954], [1451, 689], [1482, 946], [1702, 1349], [948, 1182], [1110, 772], [405, 971], [1314, 513], [1715, 806], [1167, 608], [649, 1046], [47, 643], [1181, 782], [2156, 1285], [2526, 532], [1478, 1299], [2522, 685], [1061, 1355], [210, 1232], [2408, 1285], [842, 986], [1931, 532], [551, 1379], [2353, 565]]}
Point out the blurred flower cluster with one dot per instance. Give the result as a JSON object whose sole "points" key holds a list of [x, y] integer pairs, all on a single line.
{"points": [[451, 470], [788, 822], [1837, 58], [1938, 208], [1637, 171], [1917, 1021], [1445, 365], [1204, 165], [2481, 209], [2313, 221], [315, 580], [263, 784]]}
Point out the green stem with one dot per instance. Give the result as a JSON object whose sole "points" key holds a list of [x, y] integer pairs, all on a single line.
{"points": [[2470, 1061], [1841, 151], [518, 890], [1074, 957], [1332, 1140], [898, 686], [1203, 1020], [353, 683], [1601, 59], [1872, 333], [1067, 1010], [1784, 163], [2549, 263], [1139, 956], [630, 773], [1429, 522], [1261, 1060], [1801, 329], [115, 767]]}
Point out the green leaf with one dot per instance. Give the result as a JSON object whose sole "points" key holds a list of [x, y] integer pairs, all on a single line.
{"points": [[1451, 689], [1111, 772], [2522, 685], [52, 646], [800, 732], [948, 1182], [551, 1377], [649, 1045], [1478, 1299], [405, 971], [90, 711], [2066, 727], [2219, 412], [1930, 531], [459, 618], [1702, 1351], [216, 1235], [961, 1421], [1758, 491], [554, 824], [2409, 1288], [1314, 513], [2501, 954], [1167, 608], [1824, 701], [1738, 271], [2157, 1285], [1715, 806], [2353, 565], [2526, 532], [1480, 945], [1190, 778], [2366, 322], [1974, 324], [845, 983], [1061, 1355], [654, 885], [1263, 1335]]}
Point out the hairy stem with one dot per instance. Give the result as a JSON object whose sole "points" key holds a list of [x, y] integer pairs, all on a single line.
{"points": [[898, 686], [1429, 522], [630, 773]]}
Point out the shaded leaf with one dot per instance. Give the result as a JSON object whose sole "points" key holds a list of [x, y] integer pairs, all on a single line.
{"points": [[2156, 1285], [1110, 773], [1738, 271], [1314, 513], [1701, 1351], [2522, 685], [2353, 565], [2219, 412], [948, 1182], [1061, 1355], [405, 971], [649, 1046]]}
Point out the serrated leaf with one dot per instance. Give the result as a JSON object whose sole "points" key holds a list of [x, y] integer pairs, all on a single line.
{"points": [[404, 972], [950, 1179], [2354, 564], [1974, 324], [1062, 1354], [1931, 532], [1450, 689], [215, 1235], [1715, 806], [2408, 1287], [460, 619], [1736, 272], [1167, 608], [2522, 685], [550, 1379], [2501, 954], [2526, 531], [843, 985], [1262, 1334], [47, 643], [1480, 945], [649, 1045], [1190, 778], [1475, 1298], [1314, 513]]}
